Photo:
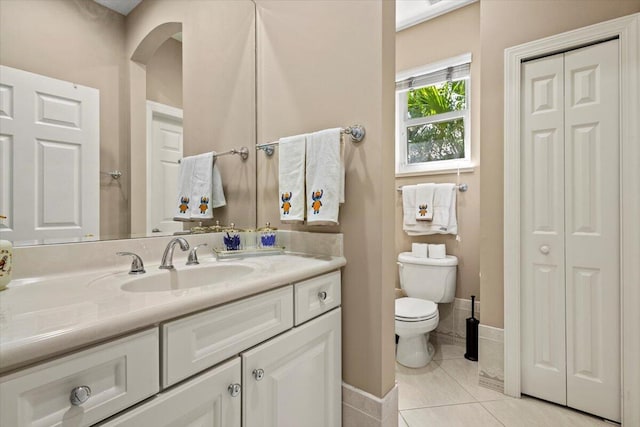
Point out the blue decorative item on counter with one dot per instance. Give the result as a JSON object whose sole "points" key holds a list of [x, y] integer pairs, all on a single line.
{"points": [[231, 238], [231, 242], [267, 236]]}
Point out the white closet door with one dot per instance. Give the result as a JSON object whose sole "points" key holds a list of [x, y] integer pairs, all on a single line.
{"points": [[592, 177], [542, 232], [50, 157], [571, 230]]}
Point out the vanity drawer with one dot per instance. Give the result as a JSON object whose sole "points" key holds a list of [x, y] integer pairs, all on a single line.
{"points": [[316, 296], [119, 374], [194, 343]]}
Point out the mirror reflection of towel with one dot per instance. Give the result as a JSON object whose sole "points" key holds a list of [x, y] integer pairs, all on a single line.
{"points": [[199, 188]]}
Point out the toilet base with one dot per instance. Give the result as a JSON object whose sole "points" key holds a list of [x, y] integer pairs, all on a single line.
{"points": [[414, 351]]}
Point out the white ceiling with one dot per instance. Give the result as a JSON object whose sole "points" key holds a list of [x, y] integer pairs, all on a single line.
{"points": [[123, 7], [408, 12], [412, 12]]}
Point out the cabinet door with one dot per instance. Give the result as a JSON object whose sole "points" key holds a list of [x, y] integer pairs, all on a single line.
{"points": [[295, 379], [102, 380], [206, 400]]}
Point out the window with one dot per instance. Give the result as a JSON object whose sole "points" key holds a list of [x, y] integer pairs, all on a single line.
{"points": [[432, 110]]}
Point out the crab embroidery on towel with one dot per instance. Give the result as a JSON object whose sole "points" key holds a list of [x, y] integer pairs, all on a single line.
{"points": [[317, 204], [422, 210], [204, 204], [184, 205], [286, 203]]}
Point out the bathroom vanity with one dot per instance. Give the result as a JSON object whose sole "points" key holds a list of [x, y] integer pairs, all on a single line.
{"points": [[106, 348]]}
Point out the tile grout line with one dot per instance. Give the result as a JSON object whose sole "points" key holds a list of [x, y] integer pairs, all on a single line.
{"points": [[491, 413]]}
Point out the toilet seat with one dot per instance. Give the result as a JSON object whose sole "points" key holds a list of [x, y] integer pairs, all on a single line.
{"points": [[415, 309]]}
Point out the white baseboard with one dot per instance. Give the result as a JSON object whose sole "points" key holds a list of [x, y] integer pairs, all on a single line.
{"points": [[362, 409]]}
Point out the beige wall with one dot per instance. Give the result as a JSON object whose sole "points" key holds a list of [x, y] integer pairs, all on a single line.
{"points": [[505, 24], [326, 64], [417, 46], [81, 42], [218, 93], [164, 74]]}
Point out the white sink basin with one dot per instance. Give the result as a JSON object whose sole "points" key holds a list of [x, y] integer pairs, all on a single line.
{"points": [[170, 280]]}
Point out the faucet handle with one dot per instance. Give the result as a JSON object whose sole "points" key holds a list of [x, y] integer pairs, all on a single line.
{"points": [[193, 256], [137, 266]]}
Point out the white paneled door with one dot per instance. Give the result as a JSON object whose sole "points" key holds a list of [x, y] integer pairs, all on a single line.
{"points": [[571, 230], [164, 141], [50, 157]]}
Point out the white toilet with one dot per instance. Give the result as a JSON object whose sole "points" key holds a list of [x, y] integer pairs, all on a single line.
{"points": [[426, 281]]}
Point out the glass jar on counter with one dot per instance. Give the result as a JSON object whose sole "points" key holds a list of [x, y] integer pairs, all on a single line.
{"points": [[267, 236]]}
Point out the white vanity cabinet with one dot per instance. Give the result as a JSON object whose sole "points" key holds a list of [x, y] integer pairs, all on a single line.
{"points": [[85, 387], [211, 399], [268, 360], [295, 379]]}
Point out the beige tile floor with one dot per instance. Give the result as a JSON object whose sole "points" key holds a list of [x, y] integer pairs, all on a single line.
{"points": [[446, 393]]}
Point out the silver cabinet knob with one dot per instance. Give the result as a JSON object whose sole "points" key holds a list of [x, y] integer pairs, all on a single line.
{"points": [[322, 296], [258, 374], [79, 395], [234, 389], [545, 249]]}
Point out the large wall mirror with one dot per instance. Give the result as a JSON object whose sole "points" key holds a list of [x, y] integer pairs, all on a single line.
{"points": [[98, 107]]}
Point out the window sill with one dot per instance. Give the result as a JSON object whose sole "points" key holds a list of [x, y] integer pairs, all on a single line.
{"points": [[443, 171]]}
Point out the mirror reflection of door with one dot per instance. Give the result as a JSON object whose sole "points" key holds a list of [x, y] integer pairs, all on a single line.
{"points": [[50, 158], [164, 141], [164, 135]]}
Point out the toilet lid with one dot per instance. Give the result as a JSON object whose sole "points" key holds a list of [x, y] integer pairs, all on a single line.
{"points": [[415, 309]]}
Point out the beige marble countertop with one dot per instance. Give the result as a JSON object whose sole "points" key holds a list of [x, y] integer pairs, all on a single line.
{"points": [[48, 316]]}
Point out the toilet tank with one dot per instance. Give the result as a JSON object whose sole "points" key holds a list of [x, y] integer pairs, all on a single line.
{"points": [[428, 278]]}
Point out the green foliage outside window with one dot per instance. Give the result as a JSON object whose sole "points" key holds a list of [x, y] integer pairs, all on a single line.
{"points": [[441, 140]]}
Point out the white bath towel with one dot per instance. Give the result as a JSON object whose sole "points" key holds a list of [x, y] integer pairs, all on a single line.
{"points": [[424, 201], [444, 208], [421, 228], [325, 177], [291, 175], [199, 188]]}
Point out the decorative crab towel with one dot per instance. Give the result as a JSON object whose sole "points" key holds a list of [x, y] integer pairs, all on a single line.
{"points": [[291, 194], [325, 177], [199, 188]]}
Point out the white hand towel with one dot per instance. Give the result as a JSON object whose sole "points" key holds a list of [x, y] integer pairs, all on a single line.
{"points": [[325, 177], [424, 201], [183, 202], [408, 207], [202, 187], [291, 190], [217, 197], [437, 251]]}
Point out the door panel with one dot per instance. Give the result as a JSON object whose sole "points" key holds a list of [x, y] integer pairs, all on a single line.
{"points": [[49, 132], [593, 229], [542, 235], [571, 229]]}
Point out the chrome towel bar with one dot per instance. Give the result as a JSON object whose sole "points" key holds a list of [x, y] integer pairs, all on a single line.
{"points": [[357, 133]]}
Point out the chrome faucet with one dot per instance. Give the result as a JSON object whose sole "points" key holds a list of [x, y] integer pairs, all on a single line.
{"points": [[167, 257]]}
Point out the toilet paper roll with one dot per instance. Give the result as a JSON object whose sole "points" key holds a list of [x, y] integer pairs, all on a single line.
{"points": [[437, 251], [419, 250]]}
